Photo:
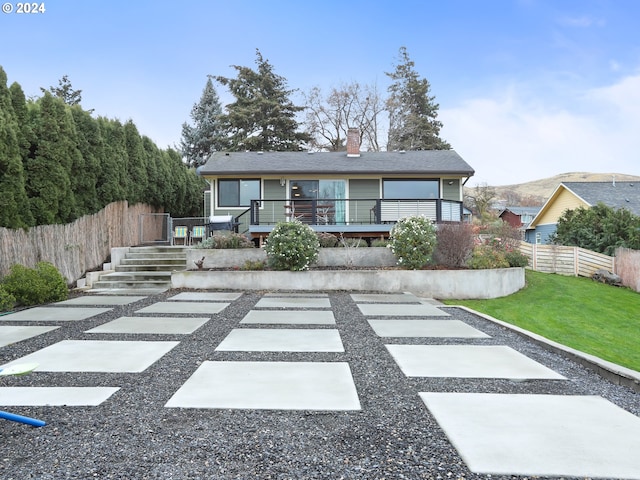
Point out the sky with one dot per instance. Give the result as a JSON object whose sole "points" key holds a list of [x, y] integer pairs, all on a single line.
{"points": [[527, 89]]}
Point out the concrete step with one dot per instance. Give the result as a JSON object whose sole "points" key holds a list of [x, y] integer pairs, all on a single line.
{"points": [[151, 268], [131, 284], [155, 256], [139, 275]]}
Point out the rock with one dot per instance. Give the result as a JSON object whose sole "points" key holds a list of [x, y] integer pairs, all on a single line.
{"points": [[607, 277]]}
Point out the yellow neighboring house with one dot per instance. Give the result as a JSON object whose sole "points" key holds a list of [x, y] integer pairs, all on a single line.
{"points": [[572, 195]]}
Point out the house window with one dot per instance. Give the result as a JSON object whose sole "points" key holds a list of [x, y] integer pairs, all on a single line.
{"points": [[538, 238], [410, 189], [238, 192]]}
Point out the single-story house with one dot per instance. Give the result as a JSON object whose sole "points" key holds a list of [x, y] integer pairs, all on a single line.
{"points": [[357, 194], [572, 195]]}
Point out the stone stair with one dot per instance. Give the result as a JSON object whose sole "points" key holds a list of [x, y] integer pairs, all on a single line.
{"points": [[143, 270]]}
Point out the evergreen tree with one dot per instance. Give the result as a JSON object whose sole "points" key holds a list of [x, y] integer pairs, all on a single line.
{"points": [[207, 135], [137, 164], [13, 198], [110, 188], [413, 123], [89, 144], [155, 184], [263, 117], [65, 92], [48, 185]]}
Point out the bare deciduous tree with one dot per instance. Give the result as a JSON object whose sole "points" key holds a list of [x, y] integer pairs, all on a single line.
{"points": [[348, 106]]}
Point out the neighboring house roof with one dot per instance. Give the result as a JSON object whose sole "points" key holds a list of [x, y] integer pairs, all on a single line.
{"points": [[522, 210], [420, 162], [571, 195]]}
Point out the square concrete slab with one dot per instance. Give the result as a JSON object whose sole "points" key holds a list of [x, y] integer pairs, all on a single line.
{"points": [[296, 294], [269, 386], [13, 333], [293, 302], [290, 317], [541, 435], [97, 356], [425, 328], [53, 314], [184, 307], [55, 396], [384, 298], [152, 325], [281, 340], [400, 310], [101, 300], [207, 296], [468, 361]]}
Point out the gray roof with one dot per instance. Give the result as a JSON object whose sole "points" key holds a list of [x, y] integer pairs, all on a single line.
{"points": [[435, 162], [615, 195], [523, 210]]}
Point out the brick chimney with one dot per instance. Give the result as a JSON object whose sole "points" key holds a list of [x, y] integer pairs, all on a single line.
{"points": [[353, 142]]}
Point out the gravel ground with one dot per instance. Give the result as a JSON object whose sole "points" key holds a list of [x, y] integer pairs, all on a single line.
{"points": [[133, 436]]}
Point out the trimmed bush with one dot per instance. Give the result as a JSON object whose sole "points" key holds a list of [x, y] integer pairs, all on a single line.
{"points": [[220, 240], [34, 286], [352, 242], [380, 243], [327, 240], [516, 258], [292, 246], [412, 241]]}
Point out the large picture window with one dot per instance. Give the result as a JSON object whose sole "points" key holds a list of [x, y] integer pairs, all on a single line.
{"points": [[410, 189], [238, 192]]}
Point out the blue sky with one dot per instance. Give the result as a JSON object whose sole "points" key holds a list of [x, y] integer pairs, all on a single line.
{"points": [[527, 88]]}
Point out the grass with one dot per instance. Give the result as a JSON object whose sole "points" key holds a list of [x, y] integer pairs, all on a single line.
{"points": [[577, 312]]}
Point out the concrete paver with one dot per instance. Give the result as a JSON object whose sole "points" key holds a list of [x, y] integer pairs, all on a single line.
{"points": [[53, 314], [281, 340], [16, 333], [97, 356], [468, 361], [290, 317], [55, 396], [152, 325], [184, 307], [269, 385], [384, 298], [102, 300], [400, 310], [293, 302], [206, 296], [425, 328], [558, 435]]}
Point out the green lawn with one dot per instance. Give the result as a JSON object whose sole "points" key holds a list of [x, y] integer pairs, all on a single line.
{"points": [[577, 312]]}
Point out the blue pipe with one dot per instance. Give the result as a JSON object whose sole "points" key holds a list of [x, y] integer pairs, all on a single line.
{"points": [[19, 418]]}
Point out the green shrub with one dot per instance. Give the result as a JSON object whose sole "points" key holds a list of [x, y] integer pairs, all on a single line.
{"points": [[485, 256], [7, 301], [379, 243], [33, 286], [412, 241], [292, 246], [352, 242], [327, 240], [516, 258], [223, 240], [253, 265]]}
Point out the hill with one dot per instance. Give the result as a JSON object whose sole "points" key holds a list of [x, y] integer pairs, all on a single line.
{"points": [[538, 191]]}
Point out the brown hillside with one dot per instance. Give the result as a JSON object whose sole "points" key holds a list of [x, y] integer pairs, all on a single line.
{"points": [[538, 191]]}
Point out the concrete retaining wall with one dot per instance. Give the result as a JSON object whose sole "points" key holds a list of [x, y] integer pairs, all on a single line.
{"points": [[327, 257], [439, 284]]}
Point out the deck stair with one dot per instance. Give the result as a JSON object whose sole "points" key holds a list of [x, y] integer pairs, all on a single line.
{"points": [[143, 270]]}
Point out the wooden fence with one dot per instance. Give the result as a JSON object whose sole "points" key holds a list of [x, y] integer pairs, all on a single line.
{"points": [[566, 260], [77, 247]]}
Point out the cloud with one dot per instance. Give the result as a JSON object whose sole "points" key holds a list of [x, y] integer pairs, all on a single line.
{"points": [[514, 137], [583, 21]]}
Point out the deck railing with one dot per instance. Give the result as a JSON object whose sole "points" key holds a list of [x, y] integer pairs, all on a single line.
{"points": [[333, 211]]}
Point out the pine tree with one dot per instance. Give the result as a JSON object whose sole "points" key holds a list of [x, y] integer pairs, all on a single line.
{"points": [[263, 117], [14, 212], [413, 123], [207, 135], [89, 143]]}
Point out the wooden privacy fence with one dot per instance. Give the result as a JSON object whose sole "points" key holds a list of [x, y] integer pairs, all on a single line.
{"points": [[77, 247], [566, 260]]}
